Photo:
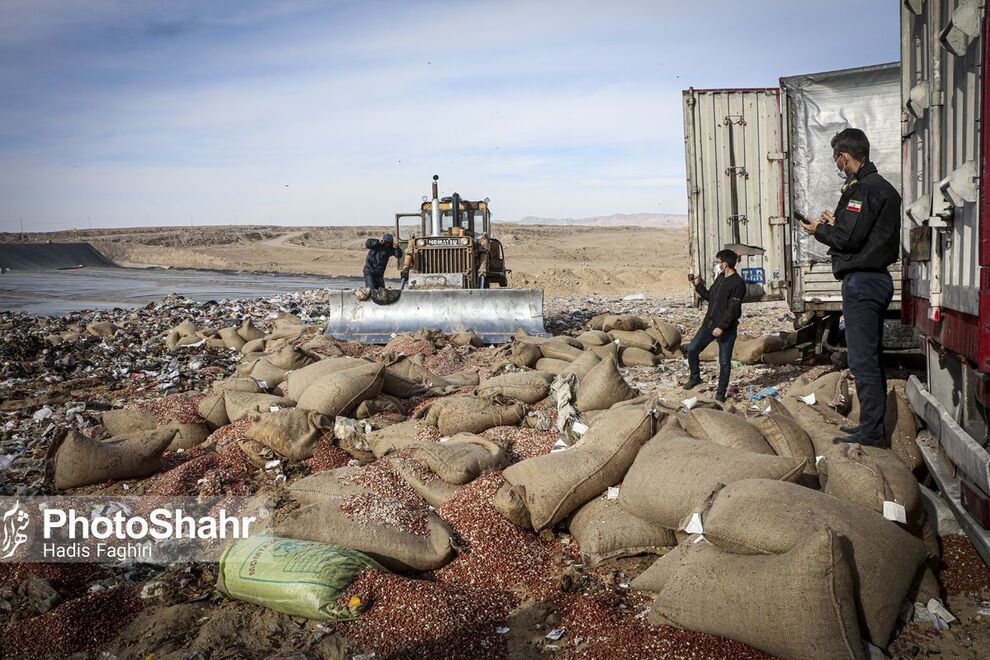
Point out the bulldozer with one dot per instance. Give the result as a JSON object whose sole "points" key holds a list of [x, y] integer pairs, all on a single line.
{"points": [[450, 263]]}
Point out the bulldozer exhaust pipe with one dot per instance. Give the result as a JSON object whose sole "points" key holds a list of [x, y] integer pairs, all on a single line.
{"points": [[435, 209]]}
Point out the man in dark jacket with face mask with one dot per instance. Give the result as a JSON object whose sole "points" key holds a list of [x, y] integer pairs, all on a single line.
{"points": [[379, 252], [721, 321], [863, 236]]}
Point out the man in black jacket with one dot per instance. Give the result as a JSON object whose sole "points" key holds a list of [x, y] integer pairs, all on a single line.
{"points": [[379, 252], [863, 236], [721, 321]]}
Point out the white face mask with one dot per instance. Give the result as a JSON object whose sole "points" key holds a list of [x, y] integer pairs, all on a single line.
{"points": [[718, 269]]}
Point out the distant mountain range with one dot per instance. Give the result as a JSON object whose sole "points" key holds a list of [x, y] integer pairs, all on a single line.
{"points": [[614, 220]]}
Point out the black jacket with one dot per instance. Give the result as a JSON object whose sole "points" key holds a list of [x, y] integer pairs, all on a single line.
{"points": [[378, 256], [724, 301], [866, 234]]}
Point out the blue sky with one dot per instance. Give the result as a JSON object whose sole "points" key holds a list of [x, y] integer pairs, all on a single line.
{"points": [[121, 113]]}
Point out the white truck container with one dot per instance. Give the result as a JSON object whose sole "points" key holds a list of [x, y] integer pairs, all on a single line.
{"points": [[754, 156], [946, 240]]}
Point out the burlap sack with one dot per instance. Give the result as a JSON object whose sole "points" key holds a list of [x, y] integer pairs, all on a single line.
{"points": [[397, 437], [635, 339], [870, 476], [759, 516], [472, 414], [290, 358], [724, 429], [213, 409], [831, 390], [242, 404], [556, 350], [602, 387], [332, 484], [289, 332], [186, 329], [462, 458], [786, 356], [101, 329], [171, 339], [466, 378], [627, 322], [637, 357], [821, 431], [786, 438], [75, 460], [525, 386], [752, 351], [593, 338], [424, 481], [798, 605], [401, 387], [604, 530], [400, 537], [466, 338], [582, 365], [675, 473], [248, 331], [298, 380], [525, 354], [902, 429], [253, 346], [552, 486], [668, 334], [565, 339], [239, 384], [123, 421], [231, 339], [413, 369], [340, 393], [383, 403], [267, 373], [292, 432]]}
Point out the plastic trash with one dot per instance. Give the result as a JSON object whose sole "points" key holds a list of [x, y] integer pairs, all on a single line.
{"points": [[300, 578], [765, 393]]}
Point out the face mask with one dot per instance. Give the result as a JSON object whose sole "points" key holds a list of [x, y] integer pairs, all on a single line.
{"points": [[840, 173], [718, 269]]}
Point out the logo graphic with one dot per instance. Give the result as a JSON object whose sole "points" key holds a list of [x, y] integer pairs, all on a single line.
{"points": [[15, 521], [854, 205]]}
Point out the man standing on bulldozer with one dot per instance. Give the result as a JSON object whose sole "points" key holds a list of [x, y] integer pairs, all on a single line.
{"points": [[379, 252]]}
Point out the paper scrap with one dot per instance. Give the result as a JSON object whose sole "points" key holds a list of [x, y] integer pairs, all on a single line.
{"points": [[579, 427], [556, 634], [938, 609], [612, 493], [810, 399], [894, 511], [694, 525], [502, 630], [690, 403]]}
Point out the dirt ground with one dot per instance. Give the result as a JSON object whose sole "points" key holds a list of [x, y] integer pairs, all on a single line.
{"points": [[559, 259]]}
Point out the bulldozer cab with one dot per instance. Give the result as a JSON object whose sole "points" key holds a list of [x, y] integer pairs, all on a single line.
{"points": [[449, 263]]}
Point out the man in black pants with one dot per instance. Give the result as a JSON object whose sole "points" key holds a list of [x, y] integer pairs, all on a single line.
{"points": [[379, 252], [863, 236], [721, 321]]}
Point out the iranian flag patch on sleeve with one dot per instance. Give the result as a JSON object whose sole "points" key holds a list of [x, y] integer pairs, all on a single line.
{"points": [[854, 205]]}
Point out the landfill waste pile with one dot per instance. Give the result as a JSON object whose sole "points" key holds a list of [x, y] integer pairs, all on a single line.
{"points": [[448, 499]]}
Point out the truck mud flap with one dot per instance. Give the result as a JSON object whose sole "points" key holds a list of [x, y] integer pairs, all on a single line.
{"points": [[494, 314]]}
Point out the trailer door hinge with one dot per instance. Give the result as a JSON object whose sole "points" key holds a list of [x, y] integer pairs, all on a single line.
{"points": [[777, 155], [778, 220]]}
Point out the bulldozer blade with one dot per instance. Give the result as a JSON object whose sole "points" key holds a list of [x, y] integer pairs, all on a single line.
{"points": [[494, 314]]}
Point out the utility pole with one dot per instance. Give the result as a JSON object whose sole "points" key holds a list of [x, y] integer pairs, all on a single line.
{"points": [[190, 220], [22, 228], [90, 221]]}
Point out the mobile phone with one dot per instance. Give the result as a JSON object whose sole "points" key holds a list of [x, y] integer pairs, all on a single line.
{"points": [[800, 216]]}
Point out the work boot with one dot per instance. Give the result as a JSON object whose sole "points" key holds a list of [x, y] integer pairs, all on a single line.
{"points": [[720, 397], [692, 383], [860, 438], [850, 430]]}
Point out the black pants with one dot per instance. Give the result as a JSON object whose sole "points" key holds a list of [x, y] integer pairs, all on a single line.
{"points": [[865, 298], [374, 280], [701, 340]]}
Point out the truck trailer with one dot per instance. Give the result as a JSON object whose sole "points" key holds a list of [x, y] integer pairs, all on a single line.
{"points": [[946, 246], [755, 156]]}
